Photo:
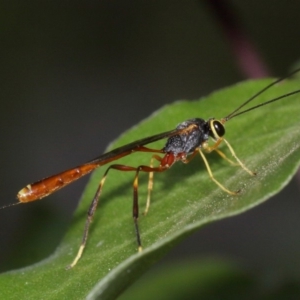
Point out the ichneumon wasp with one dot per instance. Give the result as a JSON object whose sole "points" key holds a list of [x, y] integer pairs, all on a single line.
{"points": [[187, 140]]}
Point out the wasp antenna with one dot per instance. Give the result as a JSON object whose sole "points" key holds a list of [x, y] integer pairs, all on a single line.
{"points": [[9, 205], [261, 104], [234, 113]]}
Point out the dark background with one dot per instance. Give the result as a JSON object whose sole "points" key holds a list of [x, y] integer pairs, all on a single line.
{"points": [[75, 75]]}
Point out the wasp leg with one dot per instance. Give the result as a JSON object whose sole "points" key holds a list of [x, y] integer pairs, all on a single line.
{"points": [[149, 169], [150, 182], [92, 209], [238, 160], [212, 176]]}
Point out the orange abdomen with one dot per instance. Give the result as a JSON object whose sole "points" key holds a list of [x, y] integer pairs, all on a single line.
{"points": [[44, 187]]}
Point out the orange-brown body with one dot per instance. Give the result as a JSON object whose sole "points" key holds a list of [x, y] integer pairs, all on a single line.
{"points": [[44, 187]]}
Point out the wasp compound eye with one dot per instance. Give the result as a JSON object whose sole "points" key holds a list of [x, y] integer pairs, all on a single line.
{"points": [[217, 129]]}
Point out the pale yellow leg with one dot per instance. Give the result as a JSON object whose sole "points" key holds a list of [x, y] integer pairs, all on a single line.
{"points": [[226, 158], [209, 149], [214, 147], [212, 177], [75, 261], [238, 160], [150, 183], [150, 187]]}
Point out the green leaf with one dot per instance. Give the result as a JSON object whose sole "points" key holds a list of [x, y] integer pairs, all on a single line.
{"points": [[210, 279], [183, 200]]}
